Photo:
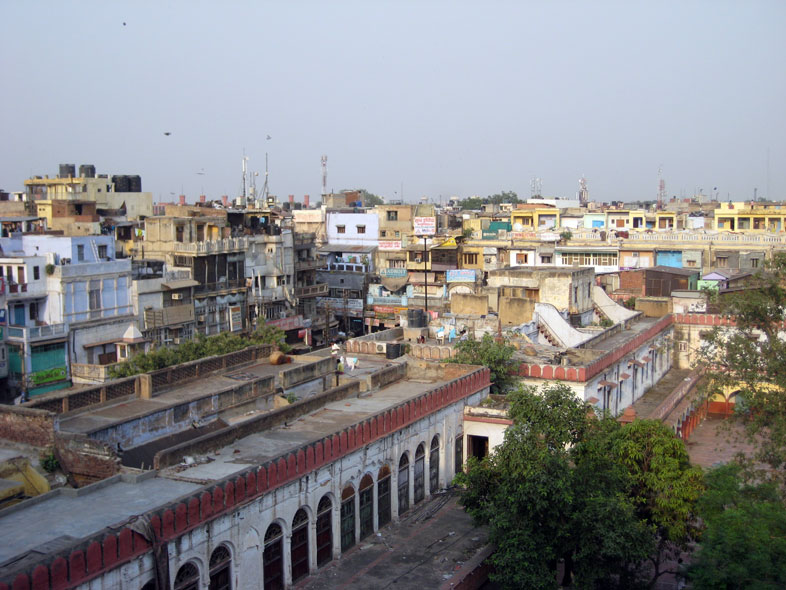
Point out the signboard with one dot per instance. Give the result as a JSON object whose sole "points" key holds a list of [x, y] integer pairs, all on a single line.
{"points": [[291, 323], [48, 376], [235, 318], [388, 245], [522, 235], [490, 235], [549, 237], [425, 226], [393, 273], [2, 317], [460, 276], [339, 306]]}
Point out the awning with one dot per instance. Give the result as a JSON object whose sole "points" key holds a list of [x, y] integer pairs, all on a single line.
{"points": [[625, 376], [181, 284], [393, 284], [637, 363], [607, 384], [647, 359]]}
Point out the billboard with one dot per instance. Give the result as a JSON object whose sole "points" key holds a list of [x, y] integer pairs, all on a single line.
{"points": [[393, 273], [462, 275], [389, 245], [235, 318], [425, 226]]}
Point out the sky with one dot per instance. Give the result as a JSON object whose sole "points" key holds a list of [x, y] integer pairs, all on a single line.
{"points": [[414, 99]]}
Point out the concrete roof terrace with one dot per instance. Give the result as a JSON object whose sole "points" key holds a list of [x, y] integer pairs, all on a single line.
{"points": [[92, 419], [415, 379]]}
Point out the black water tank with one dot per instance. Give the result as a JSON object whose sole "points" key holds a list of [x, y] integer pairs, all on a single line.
{"points": [[87, 171], [393, 350], [135, 183], [67, 170], [415, 318], [121, 183]]}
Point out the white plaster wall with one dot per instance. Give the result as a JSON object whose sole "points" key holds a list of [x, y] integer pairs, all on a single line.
{"points": [[350, 221], [243, 530]]}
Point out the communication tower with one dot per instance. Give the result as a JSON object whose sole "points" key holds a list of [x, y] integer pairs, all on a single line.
{"points": [[324, 175]]}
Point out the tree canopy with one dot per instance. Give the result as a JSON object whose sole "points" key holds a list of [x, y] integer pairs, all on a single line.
{"points": [[609, 502], [494, 354], [472, 203]]}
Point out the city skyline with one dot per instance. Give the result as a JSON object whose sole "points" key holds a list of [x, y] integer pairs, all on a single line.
{"points": [[442, 99]]}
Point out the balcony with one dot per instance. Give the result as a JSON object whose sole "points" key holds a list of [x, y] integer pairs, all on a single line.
{"points": [[91, 373], [25, 290], [395, 300], [234, 284], [36, 333], [318, 290], [211, 247], [302, 265]]}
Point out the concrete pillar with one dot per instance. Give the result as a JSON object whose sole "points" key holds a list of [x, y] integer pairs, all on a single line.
{"points": [[375, 505], [144, 384], [312, 542], [394, 491]]}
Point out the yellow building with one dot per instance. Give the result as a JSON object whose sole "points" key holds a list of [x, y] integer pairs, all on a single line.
{"points": [[750, 217], [531, 217]]}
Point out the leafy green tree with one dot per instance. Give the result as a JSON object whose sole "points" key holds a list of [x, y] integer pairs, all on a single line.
{"points": [[751, 359], [471, 203], [494, 354], [744, 544], [567, 487], [503, 197]]}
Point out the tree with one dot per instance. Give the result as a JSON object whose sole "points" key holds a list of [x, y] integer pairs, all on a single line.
{"points": [[751, 360], [371, 200], [470, 204], [567, 487], [488, 351], [503, 197], [744, 545]]}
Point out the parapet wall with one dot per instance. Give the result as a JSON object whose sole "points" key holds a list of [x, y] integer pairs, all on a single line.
{"points": [[108, 549], [30, 426]]}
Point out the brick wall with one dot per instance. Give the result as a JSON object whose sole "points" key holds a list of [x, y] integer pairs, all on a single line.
{"points": [[85, 460], [27, 425]]}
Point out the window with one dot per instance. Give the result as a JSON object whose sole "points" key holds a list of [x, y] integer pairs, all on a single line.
{"points": [[341, 229], [80, 253], [272, 559], [392, 215], [690, 263], [220, 561], [403, 484], [37, 273], [682, 346], [102, 251], [383, 496], [324, 531], [187, 577], [361, 229], [470, 258], [398, 234], [754, 263], [382, 233], [521, 258], [420, 476], [366, 506], [33, 310], [458, 454], [299, 548], [94, 295], [722, 261], [347, 519], [545, 259], [433, 466]]}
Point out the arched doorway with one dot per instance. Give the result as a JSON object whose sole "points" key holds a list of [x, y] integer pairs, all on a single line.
{"points": [[366, 506], [273, 558], [420, 476], [187, 577], [299, 547], [347, 518], [433, 466], [383, 496], [220, 569], [403, 484], [458, 454], [324, 531]]}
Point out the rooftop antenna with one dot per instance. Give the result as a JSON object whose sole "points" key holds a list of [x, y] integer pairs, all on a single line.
{"points": [[324, 175], [244, 160], [661, 188], [583, 192], [536, 187], [265, 191]]}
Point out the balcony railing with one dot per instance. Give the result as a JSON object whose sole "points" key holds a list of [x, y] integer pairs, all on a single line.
{"points": [[221, 286], [21, 290], [318, 290], [301, 265], [33, 333], [212, 247], [91, 373]]}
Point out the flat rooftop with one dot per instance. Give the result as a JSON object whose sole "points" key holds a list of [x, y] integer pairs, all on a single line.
{"points": [[46, 522], [94, 418], [333, 417]]}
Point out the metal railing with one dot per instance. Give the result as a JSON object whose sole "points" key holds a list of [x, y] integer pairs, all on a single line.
{"points": [[319, 289]]}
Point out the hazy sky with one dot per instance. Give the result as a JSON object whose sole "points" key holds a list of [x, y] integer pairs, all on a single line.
{"points": [[448, 98]]}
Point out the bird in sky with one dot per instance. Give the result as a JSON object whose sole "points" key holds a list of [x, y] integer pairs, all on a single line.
{"points": [[167, 133], [269, 137]]}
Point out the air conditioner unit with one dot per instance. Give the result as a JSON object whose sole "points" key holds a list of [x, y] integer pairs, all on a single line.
{"points": [[177, 296], [382, 347], [176, 340], [201, 318]]}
